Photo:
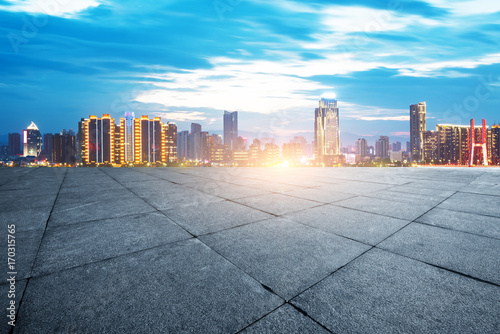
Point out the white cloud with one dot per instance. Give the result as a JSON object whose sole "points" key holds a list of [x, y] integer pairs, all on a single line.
{"points": [[181, 116], [63, 8], [468, 7]]}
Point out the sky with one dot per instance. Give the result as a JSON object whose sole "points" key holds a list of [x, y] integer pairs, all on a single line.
{"points": [[188, 61]]}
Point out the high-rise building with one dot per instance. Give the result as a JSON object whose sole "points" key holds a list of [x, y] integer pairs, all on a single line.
{"points": [[171, 142], [80, 141], [495, 144], [127, 133], [408, 147], [431, 146], [417, 127], [99, 133], [47, 145], [14, 143], [326, 129], [293, 151], [255, 153], [396, 146], [361, 148], [230, 128], [195, 128], [453, 143], [271, 153], [32, 141], [149, 140], [182, 145], [382, 147], [64, 147]]}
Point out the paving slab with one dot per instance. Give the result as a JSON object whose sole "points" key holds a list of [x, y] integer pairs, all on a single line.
{"points": [[382, 292], [463, 221], [361, 226], [77, 244], [106, 204], [9, 293], [462, 252], [215, 217], [286, 256], [26, 244], [285, 320], [391, 208], [277, 204], [182, 287], [474, 203]]}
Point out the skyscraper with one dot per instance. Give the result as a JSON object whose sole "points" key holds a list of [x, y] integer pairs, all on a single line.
{"points": [[326, 129], [382, 147], [99, 136], [14, 143], [149, 140], [417, 127], [64, 147], [361, 147], [171, 141], [230, 128], [495, 144], [47, 145], [32, 141], [182, 145], [127, 132]]}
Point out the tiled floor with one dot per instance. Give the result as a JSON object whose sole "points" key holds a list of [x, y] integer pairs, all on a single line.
{"points": [[254, 250]]}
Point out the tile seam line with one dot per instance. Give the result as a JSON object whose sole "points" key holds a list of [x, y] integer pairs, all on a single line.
{"points": [[154, 208], [259, 319], [355, 258], [243, 271], [440, 267], [459, 231], [28, 279], [45, 274]]}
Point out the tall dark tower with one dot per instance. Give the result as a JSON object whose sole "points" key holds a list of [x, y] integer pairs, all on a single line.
{"points": [[230, 129], [326, 129], [417, 128]]}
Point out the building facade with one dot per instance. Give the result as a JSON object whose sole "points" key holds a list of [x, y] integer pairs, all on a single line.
{"points": [[326, 130], [32, 141], [418, 124], [14, 146], [230, 129]]}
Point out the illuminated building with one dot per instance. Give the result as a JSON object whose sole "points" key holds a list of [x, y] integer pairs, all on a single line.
{"points": [[240, 157], [64, 148], [171, 142], [292, 151], [417, 127], [453, 143], [230, 129], [47, 146], [182, 145], [431, 146], [127, 138], [271, 153], [99, 139], [495, 144], [118, 145], [255, 153], [14, 143], [149, 140], [361, 148], [32, 141], [326, 130], [382, 147]]}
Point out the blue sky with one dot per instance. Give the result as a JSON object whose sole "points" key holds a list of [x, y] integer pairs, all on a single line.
{"points": [[188, 61]]}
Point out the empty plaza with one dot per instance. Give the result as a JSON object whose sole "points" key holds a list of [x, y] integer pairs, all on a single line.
{"points": [[253, 250]]}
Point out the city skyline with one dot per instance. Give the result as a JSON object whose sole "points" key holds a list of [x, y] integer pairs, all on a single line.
{"points": [[187, 63]]}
